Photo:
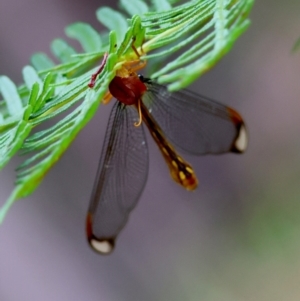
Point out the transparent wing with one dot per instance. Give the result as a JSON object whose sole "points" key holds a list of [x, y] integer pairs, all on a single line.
{"points": [[121, 177], [194, 123]]}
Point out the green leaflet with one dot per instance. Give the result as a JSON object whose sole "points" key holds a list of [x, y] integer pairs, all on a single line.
{"points": [[296, 45], [62, 50], [161, 5], [134, 7], [181, 42], [41, 61], [86, 35], [113, 20], [11, 96], [12, 139], [14, 127], [31, 77]]}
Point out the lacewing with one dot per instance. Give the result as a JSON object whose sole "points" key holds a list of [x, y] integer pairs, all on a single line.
{"points": [[192, 123]]}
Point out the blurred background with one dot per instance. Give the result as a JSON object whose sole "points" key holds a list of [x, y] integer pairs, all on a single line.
{"points": [[235, 238]]}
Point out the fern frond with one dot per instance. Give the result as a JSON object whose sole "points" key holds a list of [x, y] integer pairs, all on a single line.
{"points": [[185, 40]]}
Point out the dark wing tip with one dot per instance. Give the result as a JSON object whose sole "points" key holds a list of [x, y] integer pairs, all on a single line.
{"points": [[102, 245], [240, 142]]}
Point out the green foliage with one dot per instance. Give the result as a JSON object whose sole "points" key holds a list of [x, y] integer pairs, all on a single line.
{"points": [[296, 46], [197, 34]]}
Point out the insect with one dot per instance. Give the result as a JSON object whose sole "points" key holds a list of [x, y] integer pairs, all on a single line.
{"points": [[192, 123]]}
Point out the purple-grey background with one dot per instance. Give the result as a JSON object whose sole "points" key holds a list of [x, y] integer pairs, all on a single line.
{"points": [[236, 238]]}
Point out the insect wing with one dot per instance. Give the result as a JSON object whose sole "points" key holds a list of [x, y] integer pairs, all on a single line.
{"points": [[121, 177], [194, 123]]}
